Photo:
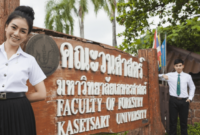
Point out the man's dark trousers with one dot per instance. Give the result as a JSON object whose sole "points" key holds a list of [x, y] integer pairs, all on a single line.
{"points": [[178, 107]]}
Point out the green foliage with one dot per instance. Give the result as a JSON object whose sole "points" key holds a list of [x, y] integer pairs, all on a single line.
{"points": [[59, 16], [134, 15], [109, 6], [178, 127], [186, 36], [192, 129]]}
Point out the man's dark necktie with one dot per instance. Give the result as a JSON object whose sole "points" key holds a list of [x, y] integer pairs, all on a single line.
{"points": [[178, 86]]}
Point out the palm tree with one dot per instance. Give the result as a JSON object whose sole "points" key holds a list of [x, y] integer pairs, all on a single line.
{"points": [[59, 16], [82, 11], [109, 7]]}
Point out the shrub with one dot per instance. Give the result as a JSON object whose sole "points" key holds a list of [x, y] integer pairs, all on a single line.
{"points": [[192, 129]]}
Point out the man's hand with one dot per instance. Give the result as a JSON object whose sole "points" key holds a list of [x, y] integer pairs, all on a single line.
{"points": [[188, 100], [165, 77]]}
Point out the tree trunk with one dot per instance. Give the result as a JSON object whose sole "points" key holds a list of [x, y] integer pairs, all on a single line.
{"points": [[81, 26], [114, 40], [6, 7]]}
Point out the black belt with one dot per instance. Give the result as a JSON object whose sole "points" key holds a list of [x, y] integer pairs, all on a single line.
{"points": [[179, 98], [8, 95]]}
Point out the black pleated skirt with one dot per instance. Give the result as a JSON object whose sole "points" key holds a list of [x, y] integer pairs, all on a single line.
{"points": [[17, 117]]}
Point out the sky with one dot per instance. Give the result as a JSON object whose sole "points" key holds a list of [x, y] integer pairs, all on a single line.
{"points": [[97, 27]]}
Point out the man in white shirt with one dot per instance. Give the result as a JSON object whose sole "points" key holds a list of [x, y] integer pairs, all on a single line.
{"points": [[179, 98]]}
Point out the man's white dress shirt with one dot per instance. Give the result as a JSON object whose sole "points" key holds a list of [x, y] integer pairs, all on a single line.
{"points": [[15, 72], [185, 80]]}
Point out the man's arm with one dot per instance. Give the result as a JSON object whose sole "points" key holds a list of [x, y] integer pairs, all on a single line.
{"points": [[163, 77], [191, 88]]}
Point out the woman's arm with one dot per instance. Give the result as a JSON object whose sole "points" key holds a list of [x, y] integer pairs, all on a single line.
{"points": [[40, 93]]}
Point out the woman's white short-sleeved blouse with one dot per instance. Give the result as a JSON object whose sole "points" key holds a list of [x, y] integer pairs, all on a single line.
{"points": [[15, 72]]}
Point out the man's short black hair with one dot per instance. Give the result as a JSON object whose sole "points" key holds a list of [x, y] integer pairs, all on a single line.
{"points": [[177, 61]]}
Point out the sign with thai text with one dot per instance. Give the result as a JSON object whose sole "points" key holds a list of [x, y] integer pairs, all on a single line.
{"points": [[95, 89]]}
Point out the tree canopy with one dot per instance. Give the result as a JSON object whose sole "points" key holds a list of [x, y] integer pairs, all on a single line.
{"points": [[186, 36], [182, 15]]}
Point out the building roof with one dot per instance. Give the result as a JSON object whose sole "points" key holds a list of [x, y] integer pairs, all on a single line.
{"points": [[191, 60], [63, 35]]}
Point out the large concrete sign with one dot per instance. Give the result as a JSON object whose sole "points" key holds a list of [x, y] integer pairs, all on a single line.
{"points": [[94, 89], [100, 90]]}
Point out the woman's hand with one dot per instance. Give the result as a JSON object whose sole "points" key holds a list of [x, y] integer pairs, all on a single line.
{"points": [[40, 93]]}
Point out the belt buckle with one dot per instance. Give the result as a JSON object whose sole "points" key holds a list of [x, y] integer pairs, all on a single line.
{"points": [[2, 95], [179, 98]]}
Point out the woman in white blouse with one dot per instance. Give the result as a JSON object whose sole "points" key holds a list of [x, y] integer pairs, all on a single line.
{"points": [[16, 67]]}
